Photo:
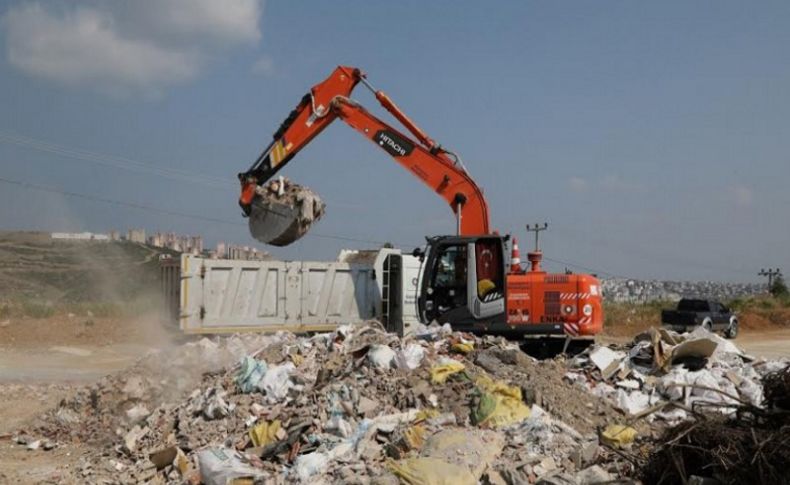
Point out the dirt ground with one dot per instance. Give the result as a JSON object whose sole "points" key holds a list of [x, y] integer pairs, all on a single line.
{"points": [[43, 361]]}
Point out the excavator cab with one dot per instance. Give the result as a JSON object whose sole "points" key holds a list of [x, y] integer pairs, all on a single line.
{"points": [[464, 280]]}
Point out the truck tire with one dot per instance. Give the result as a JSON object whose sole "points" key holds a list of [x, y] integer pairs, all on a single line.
{"points": [[732, 329], [707, 324]]}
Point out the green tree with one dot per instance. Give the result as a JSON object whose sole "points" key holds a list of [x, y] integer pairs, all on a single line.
{"points": [[779, 288]]}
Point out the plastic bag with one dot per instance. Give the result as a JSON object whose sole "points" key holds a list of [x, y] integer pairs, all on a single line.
{"points": [[250, 372], [440, 372], [310, 464], [618, 435], [265, 433], [431, 471], [409, 357], [276, 382], [463, 347], [381, 356], [220, 466], [500, 404]]}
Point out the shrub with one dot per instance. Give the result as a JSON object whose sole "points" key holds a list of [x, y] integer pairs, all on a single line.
{"points": [[779, 288], [35, 309]]}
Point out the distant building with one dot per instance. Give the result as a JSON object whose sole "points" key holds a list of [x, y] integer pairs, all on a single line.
{"points": [[246, 253], [136, 236], [177, 242], [80, 236], [222, 250], [114, 235]]}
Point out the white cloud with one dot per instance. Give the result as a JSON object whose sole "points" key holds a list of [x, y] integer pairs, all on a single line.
{"points": [[577, 184], [264, 66], [743, 196], [138, 46]]}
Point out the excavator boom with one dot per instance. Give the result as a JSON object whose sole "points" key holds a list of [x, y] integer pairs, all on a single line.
{"points": [[423, 157]]}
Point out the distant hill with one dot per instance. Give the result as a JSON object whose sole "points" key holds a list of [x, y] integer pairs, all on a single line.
{"points": [[33, 266]]}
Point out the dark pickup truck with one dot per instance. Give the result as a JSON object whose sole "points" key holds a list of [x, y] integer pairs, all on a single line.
{"points": [[709, 314]]}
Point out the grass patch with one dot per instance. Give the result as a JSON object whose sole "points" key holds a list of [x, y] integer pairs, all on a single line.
{"points": [[36, 309]]}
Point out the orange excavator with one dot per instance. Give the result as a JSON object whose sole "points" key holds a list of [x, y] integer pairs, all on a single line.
{"points": [[465, 278]]}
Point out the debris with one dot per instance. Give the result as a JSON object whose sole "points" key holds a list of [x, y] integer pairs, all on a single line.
{"points": [[366, 406], [500, 405], [618, 435], [381, 356], [732, 451], [266, 432], [606, 360], [698, 347], [463, 347], [410, 357], [221, 466], [276, 382], [472, 449], [164, 457], [212, 404], [546, 465], [431, 471], [131, 438], [694, 369], [181, 462], [440, 372], [363, 405], [137, 413], [250, 373], [593, 475], [777, 389], [310, 464]]}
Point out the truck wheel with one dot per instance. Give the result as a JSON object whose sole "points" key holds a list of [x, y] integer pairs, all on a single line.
{"points": [[707, 324], [732, 330]]}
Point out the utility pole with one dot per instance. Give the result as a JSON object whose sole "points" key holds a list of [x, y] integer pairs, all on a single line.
{"points": [[536, 228], [536, 256], [771, 274]]}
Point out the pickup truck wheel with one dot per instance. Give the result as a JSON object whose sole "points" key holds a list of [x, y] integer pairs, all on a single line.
{"points": [[707, 324], [732, 330]]}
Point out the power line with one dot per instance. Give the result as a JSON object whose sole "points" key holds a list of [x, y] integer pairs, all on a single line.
{"points": [[587, 268], [114, 161], [31, 186], [129, 164]]}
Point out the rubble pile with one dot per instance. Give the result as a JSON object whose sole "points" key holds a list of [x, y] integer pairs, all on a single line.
{"points": [[750, 446], [283, 211], [717, 414], [95, 413], [358, 405], [668, 376]]}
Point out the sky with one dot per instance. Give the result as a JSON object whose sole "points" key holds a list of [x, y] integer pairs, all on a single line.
{"points": [[652, 137]]}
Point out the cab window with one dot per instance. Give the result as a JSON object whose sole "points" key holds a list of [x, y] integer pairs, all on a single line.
{"points": [[450, 271], [490, 268]]}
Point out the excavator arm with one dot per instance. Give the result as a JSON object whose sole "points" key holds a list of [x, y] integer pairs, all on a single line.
{"points": [[436, 167]]}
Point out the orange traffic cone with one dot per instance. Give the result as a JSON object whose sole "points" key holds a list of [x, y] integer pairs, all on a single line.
{"points": [[515, 258]]}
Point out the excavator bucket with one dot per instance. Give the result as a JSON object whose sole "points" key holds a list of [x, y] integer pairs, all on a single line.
{"points": [[282, 212]]}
